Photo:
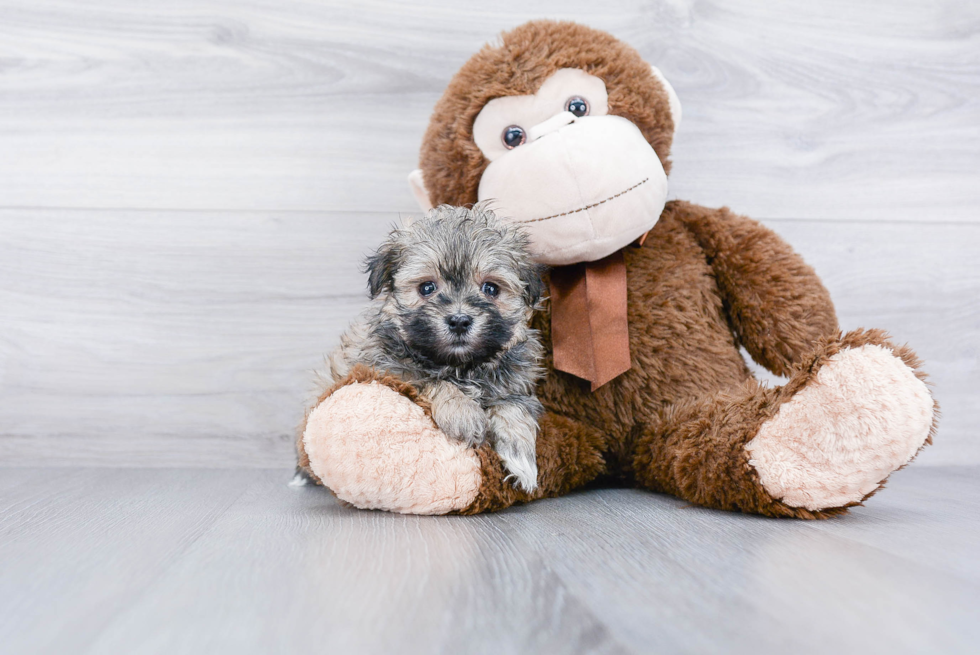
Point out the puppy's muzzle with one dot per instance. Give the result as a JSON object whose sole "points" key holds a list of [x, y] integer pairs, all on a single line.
{"points": [[459, 324]]}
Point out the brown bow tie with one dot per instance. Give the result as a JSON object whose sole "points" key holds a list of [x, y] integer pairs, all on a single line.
{"points": [[589, 329]]}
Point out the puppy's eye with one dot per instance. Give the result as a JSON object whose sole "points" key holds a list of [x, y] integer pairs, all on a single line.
{"points": [[513, 136], [490, 289], [427, 289], [577, 105]]}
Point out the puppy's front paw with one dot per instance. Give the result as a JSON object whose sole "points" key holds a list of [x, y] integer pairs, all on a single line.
{"points": [[515, 433], [461, 419]]}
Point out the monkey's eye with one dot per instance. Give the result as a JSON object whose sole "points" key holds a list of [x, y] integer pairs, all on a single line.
{"points": [[490, 289], [513, 136], [577, 105], [427, 289]]}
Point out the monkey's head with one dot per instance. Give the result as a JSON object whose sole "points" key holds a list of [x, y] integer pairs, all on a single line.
{"points": [[562, 128]]}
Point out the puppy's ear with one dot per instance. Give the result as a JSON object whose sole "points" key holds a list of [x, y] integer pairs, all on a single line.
{"points": [[533, 284], [381, 267]]}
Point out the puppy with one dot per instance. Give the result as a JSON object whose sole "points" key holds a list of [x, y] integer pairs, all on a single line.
{"points": [[451, 298]]}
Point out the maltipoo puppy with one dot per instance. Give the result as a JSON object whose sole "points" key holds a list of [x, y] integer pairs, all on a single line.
{"points": [[452, 295]]}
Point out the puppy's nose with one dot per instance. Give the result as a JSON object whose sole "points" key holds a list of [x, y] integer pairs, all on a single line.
{"points": [[459, 323]]}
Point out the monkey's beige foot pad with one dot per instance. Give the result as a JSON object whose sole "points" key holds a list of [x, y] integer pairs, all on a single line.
{"points": [[377, 449], [864, 415]]}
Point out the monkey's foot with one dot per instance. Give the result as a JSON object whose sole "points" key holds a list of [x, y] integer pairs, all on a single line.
{"points": [[376, 448], [858, 412]]}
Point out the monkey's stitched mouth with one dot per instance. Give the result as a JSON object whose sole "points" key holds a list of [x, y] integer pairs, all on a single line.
{"points": [[587, 207]]}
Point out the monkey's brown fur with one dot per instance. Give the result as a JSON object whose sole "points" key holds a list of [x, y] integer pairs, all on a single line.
{"points": [[705, 282]]}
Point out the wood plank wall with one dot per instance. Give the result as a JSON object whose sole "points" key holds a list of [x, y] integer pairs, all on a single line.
{"points": [[187, 189]]}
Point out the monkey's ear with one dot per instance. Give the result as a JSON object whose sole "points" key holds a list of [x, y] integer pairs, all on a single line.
{"points": [[381, 267], [417, 184], [675, 103]]}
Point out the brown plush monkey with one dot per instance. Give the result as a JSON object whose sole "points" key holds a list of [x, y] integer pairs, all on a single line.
{"points": [[568, 131]]}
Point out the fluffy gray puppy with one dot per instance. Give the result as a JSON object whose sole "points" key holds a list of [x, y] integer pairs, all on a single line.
{"points": [[451, 298]]}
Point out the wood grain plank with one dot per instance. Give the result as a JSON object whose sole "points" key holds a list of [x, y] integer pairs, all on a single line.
{"points": [[916, 518], [796, 109], [78, 546], [290, 570], [668, 577], [191, 338], [203, 561], [126, 334]]}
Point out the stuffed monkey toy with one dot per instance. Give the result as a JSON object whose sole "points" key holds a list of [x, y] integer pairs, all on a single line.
{"points": [[567, 131]]}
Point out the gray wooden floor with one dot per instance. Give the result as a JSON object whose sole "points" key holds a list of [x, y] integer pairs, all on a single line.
{"points": [[211, 561]]}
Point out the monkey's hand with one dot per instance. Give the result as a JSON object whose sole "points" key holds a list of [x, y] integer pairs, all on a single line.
{"points": [[514, 431], [457, 415]]}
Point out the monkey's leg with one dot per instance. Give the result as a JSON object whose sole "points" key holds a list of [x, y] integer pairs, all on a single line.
{"points": [[372, 441], [852, 413]]}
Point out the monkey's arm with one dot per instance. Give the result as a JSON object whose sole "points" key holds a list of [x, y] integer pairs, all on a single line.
{"points": [[777, 306]]}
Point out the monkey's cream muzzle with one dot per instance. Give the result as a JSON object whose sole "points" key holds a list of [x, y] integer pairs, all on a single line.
{"points": [[577, 204]]}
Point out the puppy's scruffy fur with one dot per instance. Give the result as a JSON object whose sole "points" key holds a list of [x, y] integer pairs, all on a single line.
{"points": [[452, 296]]}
